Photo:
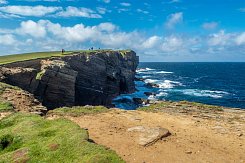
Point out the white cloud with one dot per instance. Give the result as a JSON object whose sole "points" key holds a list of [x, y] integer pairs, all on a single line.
{"points": [[151, 42], [210, 25], [3, 2], [240, 39], [106, 1], [142, 11], [109, 27], [54, 36], [174, 19], [7, 39], [105, 34], [77, 33], [125, 4], [78, 12], [101, 10], [122, 10], [32, 28], [6, 31], [38, 11], [9, 16], [29, 10], [171, 44], [220, 38]]}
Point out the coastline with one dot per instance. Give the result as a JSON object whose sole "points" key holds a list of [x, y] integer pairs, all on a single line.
{"points": [[153, 133]]}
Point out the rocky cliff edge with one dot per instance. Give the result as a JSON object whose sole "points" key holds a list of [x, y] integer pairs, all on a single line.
{"points": [[80, 78]]}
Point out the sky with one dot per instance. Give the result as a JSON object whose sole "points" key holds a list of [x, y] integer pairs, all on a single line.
{"points": [[157, 30]]}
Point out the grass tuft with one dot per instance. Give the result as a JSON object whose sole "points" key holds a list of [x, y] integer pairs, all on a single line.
{"points": [[40, 74], [181, 105], [6, 106], [78, 110]]}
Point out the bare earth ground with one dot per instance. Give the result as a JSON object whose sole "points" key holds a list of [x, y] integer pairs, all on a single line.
{"points": [[193, 138]]}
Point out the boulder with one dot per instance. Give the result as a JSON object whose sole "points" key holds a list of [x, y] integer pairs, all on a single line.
{"points": [[141, 101], [152, 85], [149, 135], [150, 93]]}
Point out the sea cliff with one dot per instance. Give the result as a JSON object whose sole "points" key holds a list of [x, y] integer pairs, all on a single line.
{"points": [[79, 78]]}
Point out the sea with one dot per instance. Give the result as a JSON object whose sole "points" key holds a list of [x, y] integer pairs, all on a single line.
{"points": [[221, 84]]}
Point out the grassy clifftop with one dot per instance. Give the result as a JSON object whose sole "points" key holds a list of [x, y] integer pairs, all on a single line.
{"points": [[26, 137], [37, 55], [28, 56]]}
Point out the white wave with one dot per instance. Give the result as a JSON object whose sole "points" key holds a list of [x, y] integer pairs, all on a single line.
{"points": [[144, 69], [149, 69], [161, 94], [167, 84], [151, 81], [145, 72], [146, 77], [151, 97], [163, 72], [204, 93]]}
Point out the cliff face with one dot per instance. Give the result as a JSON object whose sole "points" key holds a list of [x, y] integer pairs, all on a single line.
{"points": [[93, 78]]}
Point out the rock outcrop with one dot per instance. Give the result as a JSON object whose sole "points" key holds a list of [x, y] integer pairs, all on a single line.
{"points": [[81, 78], [149, 135]]}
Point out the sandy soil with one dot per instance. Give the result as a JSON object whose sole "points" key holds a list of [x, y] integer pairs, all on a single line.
{"points": [[193, 138]]}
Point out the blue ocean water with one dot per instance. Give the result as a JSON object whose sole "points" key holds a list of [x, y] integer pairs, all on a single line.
{"points": [[220, 84]]}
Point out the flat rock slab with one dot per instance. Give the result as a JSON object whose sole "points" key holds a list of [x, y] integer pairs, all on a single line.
{"points": [[149, 135]]}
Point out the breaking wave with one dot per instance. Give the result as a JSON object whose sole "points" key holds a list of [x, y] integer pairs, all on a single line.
{"points": [[203, 93], [163, 72]]}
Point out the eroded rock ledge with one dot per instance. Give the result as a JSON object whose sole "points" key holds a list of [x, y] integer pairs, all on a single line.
{"points": [[81, 78]]}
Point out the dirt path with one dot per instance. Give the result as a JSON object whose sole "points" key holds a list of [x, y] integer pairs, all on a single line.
{"points": [[192, 140]]}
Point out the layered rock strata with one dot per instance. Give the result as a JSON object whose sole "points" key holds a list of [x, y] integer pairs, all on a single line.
{"points": [[81, 78]]}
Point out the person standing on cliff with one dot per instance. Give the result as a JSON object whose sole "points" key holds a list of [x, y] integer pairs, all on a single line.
{"points": [[63, 51]]}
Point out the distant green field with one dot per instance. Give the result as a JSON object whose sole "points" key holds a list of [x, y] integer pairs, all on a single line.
{"points": [[36, 55], [28, 56]]}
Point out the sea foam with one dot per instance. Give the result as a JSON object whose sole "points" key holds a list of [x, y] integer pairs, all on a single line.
{"points": [[167, 84], [163, 72], [204, 93]]}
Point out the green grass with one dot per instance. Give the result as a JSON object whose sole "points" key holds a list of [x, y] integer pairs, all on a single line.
{"points": [[180, 105], [78, 110], [200, 105], [154, 107], [37, 55], [5, 106], [26, 137], [40, 74], [28, 56], [4, 86]]}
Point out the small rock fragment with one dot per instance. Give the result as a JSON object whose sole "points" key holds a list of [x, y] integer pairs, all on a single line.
{"points": [[188, 152]]}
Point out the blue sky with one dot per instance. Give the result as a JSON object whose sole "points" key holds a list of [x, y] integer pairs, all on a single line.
{"points": [[158, 30]]}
